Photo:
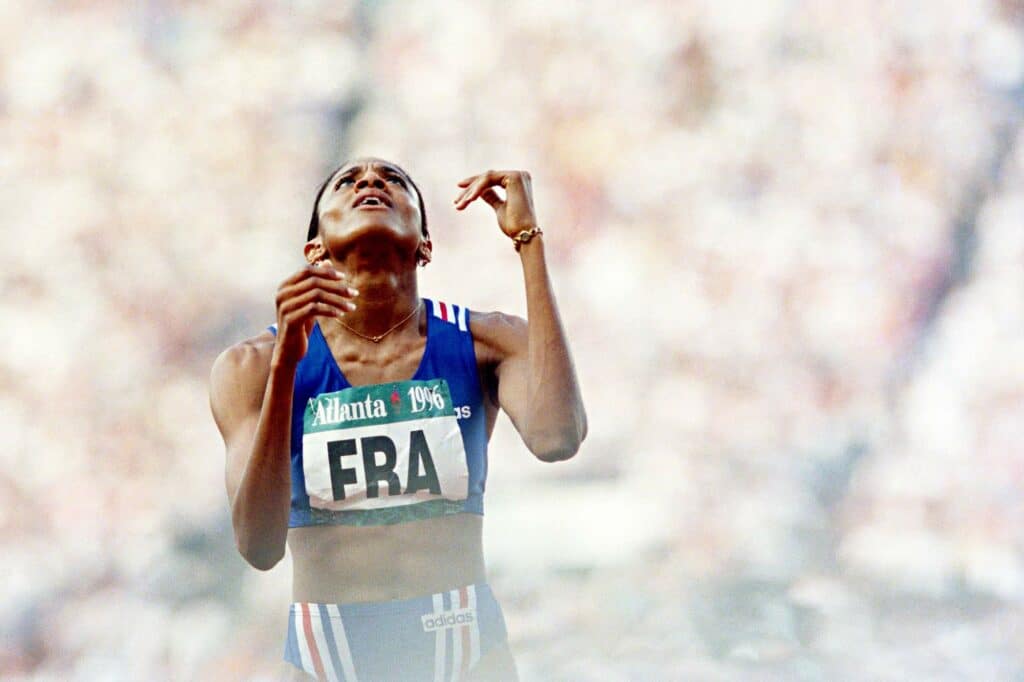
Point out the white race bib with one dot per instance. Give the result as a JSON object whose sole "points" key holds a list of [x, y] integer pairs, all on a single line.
{"points": [[385, 447]]}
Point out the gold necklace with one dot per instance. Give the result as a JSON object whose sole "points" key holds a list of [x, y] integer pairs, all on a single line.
{"points": [[378, 337]]}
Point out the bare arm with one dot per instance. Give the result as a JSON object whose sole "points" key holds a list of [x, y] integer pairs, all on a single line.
{"points": [[537, 384], [252, 405], [251, 389]]}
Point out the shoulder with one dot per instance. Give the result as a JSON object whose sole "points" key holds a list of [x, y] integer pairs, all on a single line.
{"points": [[242, 369], [497, 335], [248, 354]]}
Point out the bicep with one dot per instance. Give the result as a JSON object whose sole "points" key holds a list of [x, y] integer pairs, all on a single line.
{"points": [[511, 374], [505, 337], [237, 382]]}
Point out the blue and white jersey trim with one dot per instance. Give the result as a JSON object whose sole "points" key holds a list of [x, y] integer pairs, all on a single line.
{"points": [[451, 313]]}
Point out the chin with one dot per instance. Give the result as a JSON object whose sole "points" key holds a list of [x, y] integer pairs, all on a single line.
{"points": [[374, 239]]}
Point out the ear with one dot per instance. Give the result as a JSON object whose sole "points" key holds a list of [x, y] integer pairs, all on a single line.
{"points": [[314, 251], [423, 252]]}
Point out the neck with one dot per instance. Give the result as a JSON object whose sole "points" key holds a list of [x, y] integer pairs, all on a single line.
{"points": [[385, 298]]}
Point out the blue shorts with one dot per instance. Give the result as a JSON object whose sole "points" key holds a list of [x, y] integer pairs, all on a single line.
{"points": [[431, 638]]}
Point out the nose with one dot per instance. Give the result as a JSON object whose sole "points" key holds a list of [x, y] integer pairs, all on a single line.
{"points": [[372, 178]]}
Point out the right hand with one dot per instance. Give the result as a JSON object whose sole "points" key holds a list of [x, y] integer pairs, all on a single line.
{"points": [[315, 290]]}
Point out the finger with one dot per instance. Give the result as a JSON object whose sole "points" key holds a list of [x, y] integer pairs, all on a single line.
{"points": [[339, 296], [308, 270], [462, 197], [342, 303], [327, 268], [467, 184], [317, 281], [311, 309], [490, 177], [320, 281], [492, 198], [474, 190], [323, 276], [299, 313]]}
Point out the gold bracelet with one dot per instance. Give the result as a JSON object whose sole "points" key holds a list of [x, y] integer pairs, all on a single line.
{"points": [[525, 236]]}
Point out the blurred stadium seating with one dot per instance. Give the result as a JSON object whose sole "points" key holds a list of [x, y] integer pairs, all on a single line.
{"points": [[788, 242]]}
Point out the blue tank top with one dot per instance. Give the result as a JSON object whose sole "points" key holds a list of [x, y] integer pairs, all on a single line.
{"points": [[392, 452]]}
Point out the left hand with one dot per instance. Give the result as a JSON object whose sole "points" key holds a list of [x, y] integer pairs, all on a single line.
{"points": [[515, 212]]}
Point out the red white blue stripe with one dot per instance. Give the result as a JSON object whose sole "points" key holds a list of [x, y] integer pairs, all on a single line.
{"points": [[323, 644], [464, 640], [451, 313]]}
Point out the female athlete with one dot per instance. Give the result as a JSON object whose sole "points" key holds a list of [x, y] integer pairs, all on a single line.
{"points": [[356, 430]]}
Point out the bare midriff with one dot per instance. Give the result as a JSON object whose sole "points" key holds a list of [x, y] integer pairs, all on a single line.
{"points": [[342, 564]]}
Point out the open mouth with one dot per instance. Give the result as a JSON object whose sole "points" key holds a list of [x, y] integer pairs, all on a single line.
{"points": [[371, 201]]}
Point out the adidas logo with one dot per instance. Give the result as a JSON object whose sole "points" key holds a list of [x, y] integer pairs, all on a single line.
{"points": [[448, 619]]}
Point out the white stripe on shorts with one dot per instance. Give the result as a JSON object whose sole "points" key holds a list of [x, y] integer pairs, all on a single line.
{"points": [[439, 635], [342, 641], [456, 640], [320, 637], [300, 638], [462, 317], [474, 629]]}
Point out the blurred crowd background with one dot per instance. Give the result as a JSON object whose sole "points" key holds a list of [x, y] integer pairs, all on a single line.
{"points": [[788, 244]]}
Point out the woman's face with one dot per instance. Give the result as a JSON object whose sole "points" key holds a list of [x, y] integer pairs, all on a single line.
{"points": [[369, 197]]}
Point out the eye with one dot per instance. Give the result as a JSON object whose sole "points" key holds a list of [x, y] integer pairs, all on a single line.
{"points": [[395, 178], [347, 178]]}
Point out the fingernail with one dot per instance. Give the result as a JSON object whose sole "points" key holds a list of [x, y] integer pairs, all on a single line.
{"points": [[353, 292]]}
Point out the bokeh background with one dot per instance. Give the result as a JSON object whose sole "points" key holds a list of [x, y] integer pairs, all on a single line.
{"points": [[788, 243]]}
